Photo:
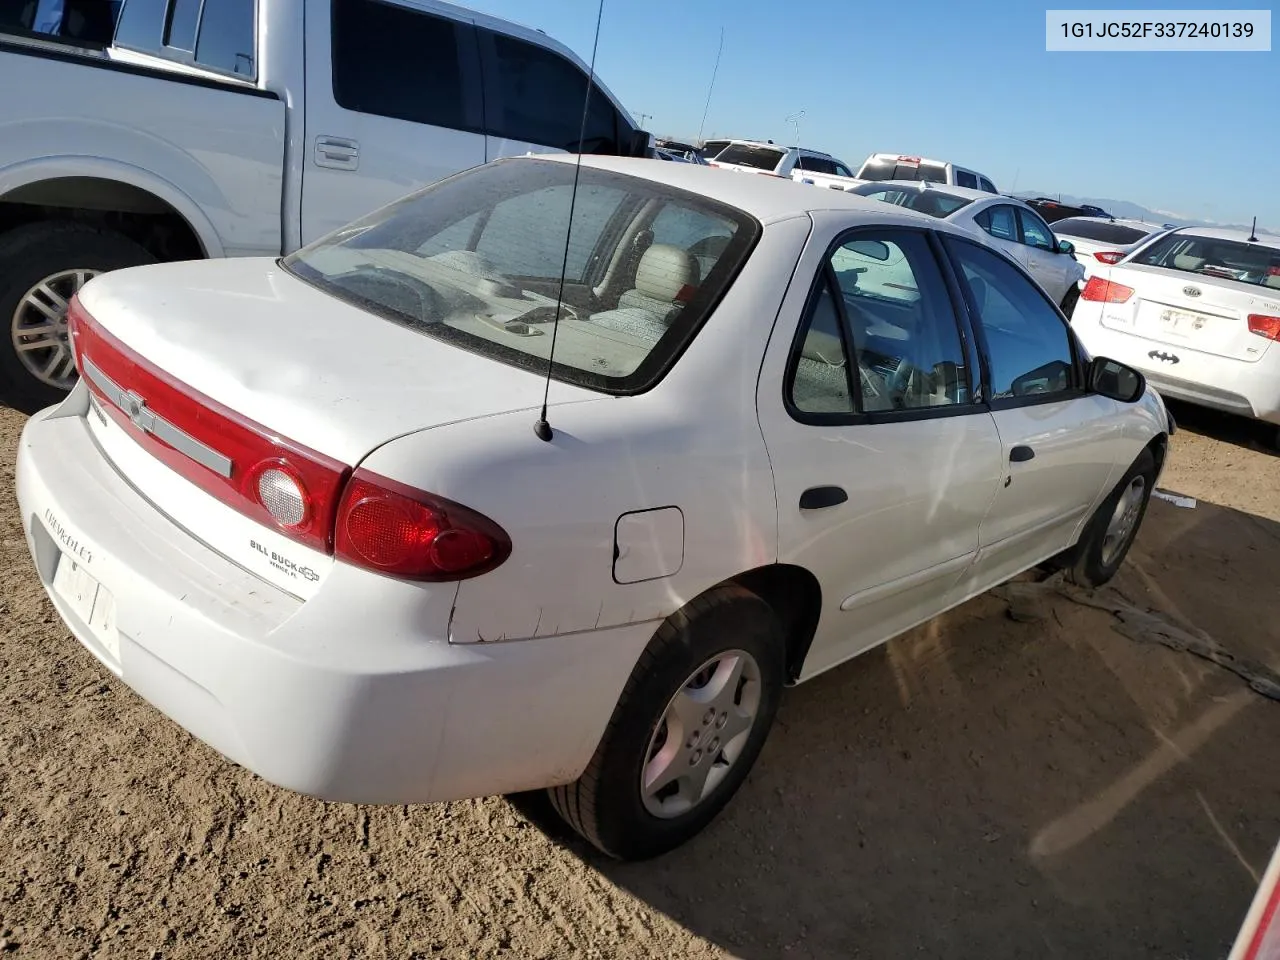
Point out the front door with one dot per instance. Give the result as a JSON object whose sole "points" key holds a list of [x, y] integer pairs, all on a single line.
{"points": [[883, 462], [1060, 445], [1054, 271]]}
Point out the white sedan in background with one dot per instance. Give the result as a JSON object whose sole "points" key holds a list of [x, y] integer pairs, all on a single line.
{"points": [[1104, 240], [397, 574], [1198, 310], [1006, 223]]}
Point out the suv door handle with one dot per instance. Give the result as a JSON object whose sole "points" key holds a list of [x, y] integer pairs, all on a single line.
{"points": [[815, 498], [1021, 454], [338, 153]]}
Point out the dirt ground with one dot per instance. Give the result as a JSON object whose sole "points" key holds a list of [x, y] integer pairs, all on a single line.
{"points": [[978, 788]]}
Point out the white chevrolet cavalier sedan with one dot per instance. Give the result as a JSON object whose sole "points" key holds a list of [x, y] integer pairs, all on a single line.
{"points": [[309, 508]]}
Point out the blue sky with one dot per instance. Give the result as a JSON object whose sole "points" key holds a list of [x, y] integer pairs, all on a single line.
{"points": [[1194, 135]]}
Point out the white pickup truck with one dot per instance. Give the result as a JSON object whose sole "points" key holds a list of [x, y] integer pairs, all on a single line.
{"points": [[180, 129]]}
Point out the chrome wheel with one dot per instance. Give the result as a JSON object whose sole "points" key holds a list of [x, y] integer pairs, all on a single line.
{"points": [[39, 327], [701, 734], [1124, 519]]}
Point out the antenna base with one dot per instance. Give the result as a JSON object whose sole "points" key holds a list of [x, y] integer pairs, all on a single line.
{"points": [[542, 430]]}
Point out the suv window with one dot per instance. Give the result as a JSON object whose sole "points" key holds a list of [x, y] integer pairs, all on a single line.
{"points": [[474, 261], [999, 221], [85, 22], [842, 170], [1035, 232], [534, 95], [1028, 344], [815, 164], [897, 324], [395, 62], [987, 185], [749, 155], [966, 179]]}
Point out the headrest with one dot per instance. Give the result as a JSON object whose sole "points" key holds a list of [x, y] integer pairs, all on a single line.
{"points": [[1184, 261], [665, 271]]}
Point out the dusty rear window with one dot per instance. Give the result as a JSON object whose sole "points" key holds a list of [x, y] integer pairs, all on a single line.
{"points": [[476, 260], [745, 155], [1250, 263]]}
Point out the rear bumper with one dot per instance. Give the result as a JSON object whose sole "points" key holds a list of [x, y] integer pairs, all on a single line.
{"points": [[355, 695], [1233, 386]]}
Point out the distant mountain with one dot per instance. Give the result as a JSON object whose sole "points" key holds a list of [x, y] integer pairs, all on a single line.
{"points": [[1133, 211]]}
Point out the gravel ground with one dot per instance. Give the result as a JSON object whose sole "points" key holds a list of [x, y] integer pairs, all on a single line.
{"points": [[977, 788]]}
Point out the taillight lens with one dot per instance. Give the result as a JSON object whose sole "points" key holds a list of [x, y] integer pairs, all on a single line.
{"points": [[394, 529], [1264, 326], [268, 478], [1108, 256], [1105, 291]]}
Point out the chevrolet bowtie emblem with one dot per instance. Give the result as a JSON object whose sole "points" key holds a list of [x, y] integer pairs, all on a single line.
{"points": [[1162, 356]]}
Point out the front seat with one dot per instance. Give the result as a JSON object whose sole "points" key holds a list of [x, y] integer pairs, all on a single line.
{"points": [[665, 281]]}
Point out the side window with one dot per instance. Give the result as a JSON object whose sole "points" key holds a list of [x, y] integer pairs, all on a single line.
{"points": [[1028, 344], [966, 179], [898, 327], [226, 37], [396, 62], [1035, 232], [180, 24], [821, 380], [537, 97], [514, 239], [815, 164], [843, 171], [987, 185], [1000, 221]]}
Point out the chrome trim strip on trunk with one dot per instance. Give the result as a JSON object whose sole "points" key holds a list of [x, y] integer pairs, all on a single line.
{"points": [[135, 408]]}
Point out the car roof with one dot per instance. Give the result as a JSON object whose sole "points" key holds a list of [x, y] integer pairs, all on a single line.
{"points": [[1263, 239], [765, 198]]}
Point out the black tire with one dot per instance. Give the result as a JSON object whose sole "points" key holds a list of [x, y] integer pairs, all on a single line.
{"points": [[605, 804], [1092, 564], [29, 254], [1070, 300]]}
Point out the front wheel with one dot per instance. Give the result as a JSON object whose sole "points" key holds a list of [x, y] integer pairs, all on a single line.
{"points": [[689, 725], [1114, 526]]}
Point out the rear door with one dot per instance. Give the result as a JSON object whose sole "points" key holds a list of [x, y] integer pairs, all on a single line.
{"points": [[1060, 444], [884, 460], [394, 101]]}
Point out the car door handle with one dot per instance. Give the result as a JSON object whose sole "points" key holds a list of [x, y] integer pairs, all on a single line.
{"points": [[338, 153], [1021, 454], [815, 498]]}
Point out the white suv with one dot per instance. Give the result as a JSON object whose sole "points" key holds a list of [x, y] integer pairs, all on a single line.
{"points": [[753, 156]]}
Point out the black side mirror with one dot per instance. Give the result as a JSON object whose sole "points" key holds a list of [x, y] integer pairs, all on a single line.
{"points": [[1113, 379], [640, 144], [1065, 246]]}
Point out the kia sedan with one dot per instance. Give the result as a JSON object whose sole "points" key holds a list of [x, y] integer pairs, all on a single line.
{"points": [[458, 502], [1198, 311]]}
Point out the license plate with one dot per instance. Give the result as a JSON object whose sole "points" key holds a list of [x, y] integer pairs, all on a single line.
{"points": [[90, 601], [1175, 321]]}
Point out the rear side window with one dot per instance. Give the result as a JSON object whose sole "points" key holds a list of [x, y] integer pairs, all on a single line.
{"points": [[750, 155], [83, 22], [966, 179], [987, 185], [395, 62], [816, 164], [534, 95], [474, 261], [225, 41]]}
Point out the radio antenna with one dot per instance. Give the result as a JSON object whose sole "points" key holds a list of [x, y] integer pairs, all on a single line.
{"points": [[1253, 233], [714, 70], [542, 428]]}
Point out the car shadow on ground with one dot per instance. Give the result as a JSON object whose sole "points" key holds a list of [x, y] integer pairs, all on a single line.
{"points": [[986, 788], [1239, 431]]}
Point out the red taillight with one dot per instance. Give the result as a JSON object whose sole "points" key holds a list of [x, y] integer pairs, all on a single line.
{"points": [[394, 529], [268, 478], [1105, 291], [1264, 326], [1109, 256]]}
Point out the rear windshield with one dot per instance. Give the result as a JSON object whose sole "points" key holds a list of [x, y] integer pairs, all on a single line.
{"points": [[476, 260], [1250, 263], [746, 155], [932, 202], [1101, 230], [888, 169]]}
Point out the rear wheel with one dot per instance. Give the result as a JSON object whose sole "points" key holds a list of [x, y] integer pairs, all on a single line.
{"points": [[1114, 526], [42, 265], [687, 729]]}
